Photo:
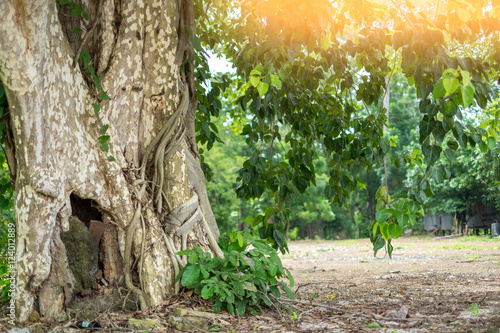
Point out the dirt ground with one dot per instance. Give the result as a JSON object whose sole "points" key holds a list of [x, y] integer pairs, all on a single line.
{"points": [[430, 285]]}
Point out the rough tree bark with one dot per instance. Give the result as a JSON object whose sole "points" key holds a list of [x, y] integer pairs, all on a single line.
{"points": [[152, 198]]}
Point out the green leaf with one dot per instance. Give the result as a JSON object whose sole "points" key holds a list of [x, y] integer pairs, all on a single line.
{"points": [[262, 88], [207, 291], [382, 215], [240, 307], [375, 227], [240, 239], [111, 158], [452, 144], [395, 230], [483, 146], [254, 80], [76, 30], [206, 128], [431, 153], [275, 81], [97, 107], [230, 308], [491, 143], [382, 190], [105, 147], [450, 155], [85, 58], [104, 128], [450, 85], [103, 139], [384, 230], [325, 42], [467, 95], [104, 96], [373, 325], [193, 258], [287, 290], [403, 220], [77, 11], [438, 90], [190, 275], [214, 328], [257, 70], [465, 77], [450, 108], [427, 125], [390, 248]]}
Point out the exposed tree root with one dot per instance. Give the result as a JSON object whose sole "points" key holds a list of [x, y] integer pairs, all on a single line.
{"points": [[181, 219], [128, 247]]}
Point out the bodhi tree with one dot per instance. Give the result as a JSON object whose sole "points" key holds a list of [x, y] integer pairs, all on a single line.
{"points": [[104, 111], [119, 131]]}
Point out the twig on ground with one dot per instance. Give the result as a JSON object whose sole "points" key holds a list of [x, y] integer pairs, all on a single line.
{"points": [[311, 283], [323, 306], [300, 315]]}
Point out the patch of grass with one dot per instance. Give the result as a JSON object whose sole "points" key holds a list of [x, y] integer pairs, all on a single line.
{"points": [[427, 236], [324, 250], [478, 239], [474, 257], [347, 242], [460, 246]]}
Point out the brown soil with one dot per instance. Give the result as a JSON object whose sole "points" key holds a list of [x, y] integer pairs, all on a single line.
{"points": [[430, 285], [437, 280]]}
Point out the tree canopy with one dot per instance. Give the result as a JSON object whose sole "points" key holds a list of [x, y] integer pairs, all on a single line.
{"points": [[312, 76], [308, 99]]}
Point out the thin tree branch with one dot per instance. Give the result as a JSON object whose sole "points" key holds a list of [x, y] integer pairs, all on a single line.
{"points": [[84, 41]]}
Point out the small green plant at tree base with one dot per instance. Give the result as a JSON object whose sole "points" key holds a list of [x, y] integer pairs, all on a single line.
{"points": [[373, 325], [294, 316], [246, 277], [474, 309]]}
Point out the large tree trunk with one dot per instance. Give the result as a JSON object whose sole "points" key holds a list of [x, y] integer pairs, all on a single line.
{"points": [[152, 199]]}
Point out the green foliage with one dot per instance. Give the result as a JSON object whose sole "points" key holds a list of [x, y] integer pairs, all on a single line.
{"points": [[293, 234], [475, 173], [6, 216], [7, 197], [474, 309], [311, 76], [6, 189], [242, 280]]}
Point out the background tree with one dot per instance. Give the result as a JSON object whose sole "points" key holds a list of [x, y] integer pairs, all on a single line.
{"points": [[115, 133], [475, 173]]}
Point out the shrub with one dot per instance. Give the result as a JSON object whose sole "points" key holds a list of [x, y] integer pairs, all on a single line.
{"points": [[246, 277], [294, 234]]}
